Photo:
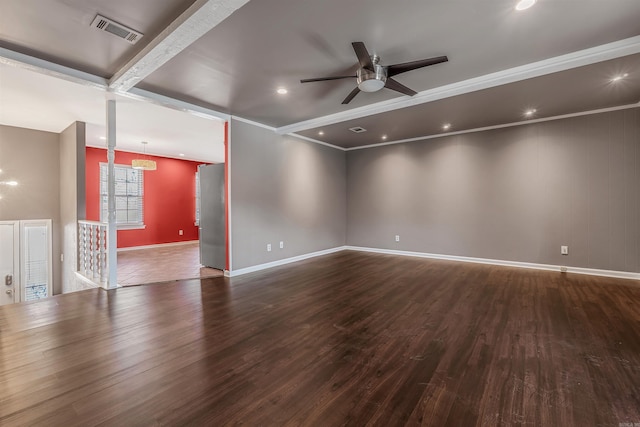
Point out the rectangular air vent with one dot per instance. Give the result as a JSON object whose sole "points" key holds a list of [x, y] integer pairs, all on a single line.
{"points": [[119, 30], [357, 129]]}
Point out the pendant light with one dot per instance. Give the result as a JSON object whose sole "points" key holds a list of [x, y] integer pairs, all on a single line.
{"points": [[144, 164]]}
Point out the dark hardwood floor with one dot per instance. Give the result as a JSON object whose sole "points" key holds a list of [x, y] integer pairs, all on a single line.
{"points": [[346, 339]]}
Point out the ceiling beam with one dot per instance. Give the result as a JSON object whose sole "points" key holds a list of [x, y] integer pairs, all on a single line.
{"points": [[580, 58], [41, 66], [199, 19], [31, 63]]}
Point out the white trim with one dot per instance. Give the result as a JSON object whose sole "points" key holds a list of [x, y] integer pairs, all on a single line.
{"points": [[547, 267], [174, 104], [251, 122], [158, 245], [226, 273], [506, 125], [17, 257], [579, 58], [130, 226], [259, 267], [315, 141], [228, 195], [294, 135]]}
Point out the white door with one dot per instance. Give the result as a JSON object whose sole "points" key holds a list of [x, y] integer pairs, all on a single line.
{"points": [[35, 260], [9, 265]]}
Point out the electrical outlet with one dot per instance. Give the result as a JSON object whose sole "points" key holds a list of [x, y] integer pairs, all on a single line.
{"points": [[563, 269], [397, 238], [564, 250], [268, 247], [281, 245], [180, 232]]}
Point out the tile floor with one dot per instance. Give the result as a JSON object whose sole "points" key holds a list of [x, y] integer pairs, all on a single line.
{"points": [[163, 264]]}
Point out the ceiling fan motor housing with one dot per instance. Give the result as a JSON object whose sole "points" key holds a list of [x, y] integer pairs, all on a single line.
{"points": [[372, 81]]}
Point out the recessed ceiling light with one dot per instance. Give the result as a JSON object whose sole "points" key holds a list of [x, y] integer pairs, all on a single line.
{"points": [[11, 183], [321, 133], [282, 91], [530, 112], [104, 138], [446, 126], [181, 154], [525, 4], [619, 77], [384, 137]]}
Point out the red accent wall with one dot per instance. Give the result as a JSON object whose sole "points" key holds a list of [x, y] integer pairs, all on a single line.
{"points": [[169, 198]]}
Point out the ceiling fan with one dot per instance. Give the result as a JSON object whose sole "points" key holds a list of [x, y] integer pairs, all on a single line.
{"points": [[371, 76]]}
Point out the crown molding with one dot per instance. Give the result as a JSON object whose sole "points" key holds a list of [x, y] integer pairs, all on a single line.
{"points": [[579, 58], [506, 125], [315, 141], [253, 123], [174, 104]]}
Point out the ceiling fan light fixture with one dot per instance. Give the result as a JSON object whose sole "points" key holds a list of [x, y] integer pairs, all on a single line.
{"points": [[525, 4], [371, 81]]}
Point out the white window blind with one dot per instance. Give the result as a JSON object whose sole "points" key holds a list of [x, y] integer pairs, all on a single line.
{"points": [[129, 193], [36, 269]]}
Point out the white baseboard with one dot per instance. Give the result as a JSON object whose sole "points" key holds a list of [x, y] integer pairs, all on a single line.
{"points": [[548, 267], [159, 245], [252, 269]]}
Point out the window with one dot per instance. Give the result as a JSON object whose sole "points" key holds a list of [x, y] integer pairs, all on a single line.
{"points": [[129, 196]]}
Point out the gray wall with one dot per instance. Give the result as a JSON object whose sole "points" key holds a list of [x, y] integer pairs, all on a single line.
{"points": [[287, 189], [510, 194], [32, 158], [72, 198]]}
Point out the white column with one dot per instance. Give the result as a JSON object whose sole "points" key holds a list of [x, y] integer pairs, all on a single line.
{"points": [[112, 237]]}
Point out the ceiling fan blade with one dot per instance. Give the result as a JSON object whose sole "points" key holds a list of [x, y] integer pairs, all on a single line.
{"points": [[398, 87], [321, 79], [351, 96], [363, 56], [396, 69]]}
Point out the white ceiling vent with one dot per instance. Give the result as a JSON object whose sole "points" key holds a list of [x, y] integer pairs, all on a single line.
{"points": [[357, 129], [111, 26]]}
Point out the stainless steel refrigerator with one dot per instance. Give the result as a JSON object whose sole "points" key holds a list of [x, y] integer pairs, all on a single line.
{"points": [[212, 220]]}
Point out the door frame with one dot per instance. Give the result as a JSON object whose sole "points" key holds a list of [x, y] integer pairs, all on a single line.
{"points": [[17, 283]]}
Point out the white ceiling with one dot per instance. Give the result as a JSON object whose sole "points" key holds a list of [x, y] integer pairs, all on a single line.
{"points": [[237, 65], [38, 101]]}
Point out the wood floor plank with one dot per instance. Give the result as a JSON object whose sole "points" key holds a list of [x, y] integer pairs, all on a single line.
{"points": [[346, 339]]}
